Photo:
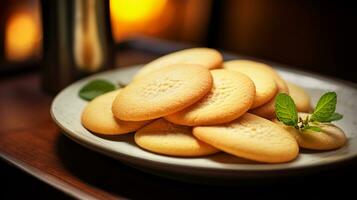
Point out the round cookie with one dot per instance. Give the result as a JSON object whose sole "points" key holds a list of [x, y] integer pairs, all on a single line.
{"points": [[166, 138], [97, 117], [265, 86], [251, 137], [301, 97], [231, 96], [164, 92], [268, 110], [330, 137], [206, 57], [280, 82]]}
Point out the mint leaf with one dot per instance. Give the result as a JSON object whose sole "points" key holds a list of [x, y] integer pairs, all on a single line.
{"points": [[285, 110], [313, 128], [95, 88], [325, 107], [334, 117]]}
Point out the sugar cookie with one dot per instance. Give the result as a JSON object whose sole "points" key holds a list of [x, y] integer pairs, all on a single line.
{"points": [[231, 96], [206, 57], [330, 137], [280, 82], [268, 110], [97, 116], [166, 138], [251, 137], [265, 86], [301, 97], [164, 92]]}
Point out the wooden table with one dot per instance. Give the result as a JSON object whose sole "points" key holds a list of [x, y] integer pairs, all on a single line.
{"points": [[31, 141]]}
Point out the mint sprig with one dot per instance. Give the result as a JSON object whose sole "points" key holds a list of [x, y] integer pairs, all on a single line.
{"points": [[334, 117], [325, 107], [313, 128], [285, 109], [286, 112], [95, 88]]}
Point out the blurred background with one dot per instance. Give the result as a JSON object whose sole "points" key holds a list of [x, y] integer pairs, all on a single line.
{"points": [[316, 36]]}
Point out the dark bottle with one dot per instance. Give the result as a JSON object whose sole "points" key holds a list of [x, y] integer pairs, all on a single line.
{"points": [[77, 41]]}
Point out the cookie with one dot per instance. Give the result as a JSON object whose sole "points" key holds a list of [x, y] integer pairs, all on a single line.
{"points": [[166, 138], [268, 109], [330, 137], [301, 97], [97, 117], [206, 57], [251, 137], [280, 82], [164, 92], [231, 96], [265, 86]]}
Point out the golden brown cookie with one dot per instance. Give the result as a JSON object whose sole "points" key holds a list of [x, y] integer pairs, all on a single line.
{"points": [[251, 137], [268, 109], [164, 92], [166, 138], [206, 57], [330, 137], [265, 86], [301, 97], [231, 96], [280, 82], [97, 116]]}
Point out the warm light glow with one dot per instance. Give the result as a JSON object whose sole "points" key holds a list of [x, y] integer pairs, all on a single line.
{"points": [[21, 36], [136, 16], [136, 10]]}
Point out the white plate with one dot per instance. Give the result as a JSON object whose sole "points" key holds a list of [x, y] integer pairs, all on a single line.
{"points": [[67, 107]]}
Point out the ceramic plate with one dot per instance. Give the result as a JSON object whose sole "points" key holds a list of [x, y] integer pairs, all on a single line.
{"points": [[67, 107]]}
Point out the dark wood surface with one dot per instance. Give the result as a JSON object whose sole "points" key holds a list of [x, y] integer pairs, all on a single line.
{"points": [[32, 142]]}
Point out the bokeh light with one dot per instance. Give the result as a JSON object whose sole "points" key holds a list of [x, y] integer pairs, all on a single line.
{"points": [[21, 36]]}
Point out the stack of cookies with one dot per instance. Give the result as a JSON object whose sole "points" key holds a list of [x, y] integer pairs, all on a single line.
{"points": [[191, 103]]}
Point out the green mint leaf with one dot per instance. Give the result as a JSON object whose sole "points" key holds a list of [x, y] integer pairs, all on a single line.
{"points": [[325, 107], [313, 128], [285, 110], [334, 117], [95, 88]]}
